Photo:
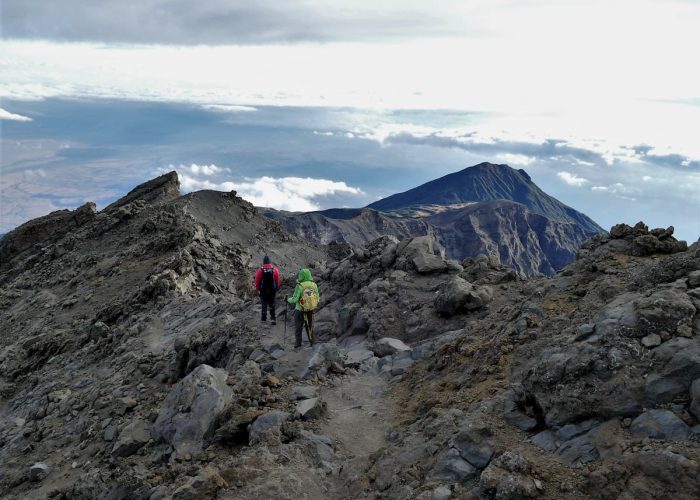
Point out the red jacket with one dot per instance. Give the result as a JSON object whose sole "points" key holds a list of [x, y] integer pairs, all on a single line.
{"points": [[275, 275]]}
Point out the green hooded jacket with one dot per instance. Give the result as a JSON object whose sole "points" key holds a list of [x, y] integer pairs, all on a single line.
{"points": [[304, 276]]}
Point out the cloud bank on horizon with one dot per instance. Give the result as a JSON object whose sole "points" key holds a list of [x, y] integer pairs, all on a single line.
{"points": [[294, 194], [598, 99]]}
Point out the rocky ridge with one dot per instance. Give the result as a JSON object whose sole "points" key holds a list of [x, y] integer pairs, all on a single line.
{"points": [[133, 365]]}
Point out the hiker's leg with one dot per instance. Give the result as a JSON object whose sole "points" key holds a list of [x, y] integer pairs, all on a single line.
{"points": [[263, 303], [271, 305], [298, 326]]}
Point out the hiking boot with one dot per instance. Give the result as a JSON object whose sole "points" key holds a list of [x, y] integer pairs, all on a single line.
{"points": [[274, 322], [263, 319]]}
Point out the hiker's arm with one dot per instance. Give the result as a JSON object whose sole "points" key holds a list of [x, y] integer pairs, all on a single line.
{"points": [[318, 292], [276, 276], [258, 277], [297, 295]]}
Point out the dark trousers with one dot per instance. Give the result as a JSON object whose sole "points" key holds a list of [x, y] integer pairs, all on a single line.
{"points": [[299, 323], [267, 299]]}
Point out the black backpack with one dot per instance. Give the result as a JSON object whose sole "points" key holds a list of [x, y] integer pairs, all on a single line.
{"points": [[268, 279]]}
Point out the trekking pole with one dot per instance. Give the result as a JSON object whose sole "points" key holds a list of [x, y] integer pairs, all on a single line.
{"points": [[286, 310]]}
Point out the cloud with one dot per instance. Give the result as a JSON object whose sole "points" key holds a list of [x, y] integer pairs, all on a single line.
{"points": [[200, 169], [517, 147], [6, 115], [572, 179], [296, 194], [227, 21], [619, 190], [229, 108]]}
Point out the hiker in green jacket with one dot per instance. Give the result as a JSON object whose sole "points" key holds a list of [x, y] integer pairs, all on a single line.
{"points": [[305, 299]]}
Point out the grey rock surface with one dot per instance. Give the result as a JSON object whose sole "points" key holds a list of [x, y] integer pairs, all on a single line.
{"points": [[268, 421], [132, 438], [38, 471], [191, 410], [660, 424], [458, 295], [387, 346], [310, 409]]}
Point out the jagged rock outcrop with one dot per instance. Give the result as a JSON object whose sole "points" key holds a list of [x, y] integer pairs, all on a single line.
{"points": [[159, 190], [43, 231]]}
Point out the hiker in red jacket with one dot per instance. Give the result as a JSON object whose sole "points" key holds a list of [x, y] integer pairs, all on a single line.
{"points": [[267, 281]]}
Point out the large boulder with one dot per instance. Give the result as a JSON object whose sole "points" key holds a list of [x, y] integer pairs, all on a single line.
{"points": [[310, 409], [426, 263], [323, 357], [387, 346], [475, 446], [660, 424], [132, 438], [665, 311], [268, 422], [450, 466], [509, 476], [191, 410], [457, 295], [303, 392]]}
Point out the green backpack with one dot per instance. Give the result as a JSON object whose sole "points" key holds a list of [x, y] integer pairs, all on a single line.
{"points": [[309, 296]]}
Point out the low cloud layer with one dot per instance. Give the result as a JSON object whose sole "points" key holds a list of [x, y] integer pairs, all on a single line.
{"points": [[526, 148], [6, 115], [296, 194]]}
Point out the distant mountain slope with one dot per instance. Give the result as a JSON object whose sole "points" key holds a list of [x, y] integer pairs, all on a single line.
{"points": [[485, 209], [487, 182], [356, 227]]}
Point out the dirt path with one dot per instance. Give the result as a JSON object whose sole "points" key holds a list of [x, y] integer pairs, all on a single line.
{"points": [[357, 424], [359, 413]]}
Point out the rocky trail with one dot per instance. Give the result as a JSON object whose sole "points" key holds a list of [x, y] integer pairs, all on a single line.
{"points": [[133, 364], [357, 415]]}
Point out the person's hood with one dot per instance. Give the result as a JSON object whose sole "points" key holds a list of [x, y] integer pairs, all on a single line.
{"points": [[266, 260], [304, 275]]}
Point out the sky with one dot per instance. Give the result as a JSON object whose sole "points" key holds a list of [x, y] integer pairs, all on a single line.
{"points": [[302, 105]]}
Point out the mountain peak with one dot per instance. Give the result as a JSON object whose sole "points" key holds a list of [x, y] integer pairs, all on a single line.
{"points": [[487, 182]]}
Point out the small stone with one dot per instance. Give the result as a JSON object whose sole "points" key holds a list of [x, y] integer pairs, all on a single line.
{"points": [[265, 422], [128, 403], [38, 471], [442, 493], [694, 279], [303, 392], [651, 340], [387, 346], [109, 433], [271, 380], [684, 331], [310, 409], [257, 355], [131, 439]]}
